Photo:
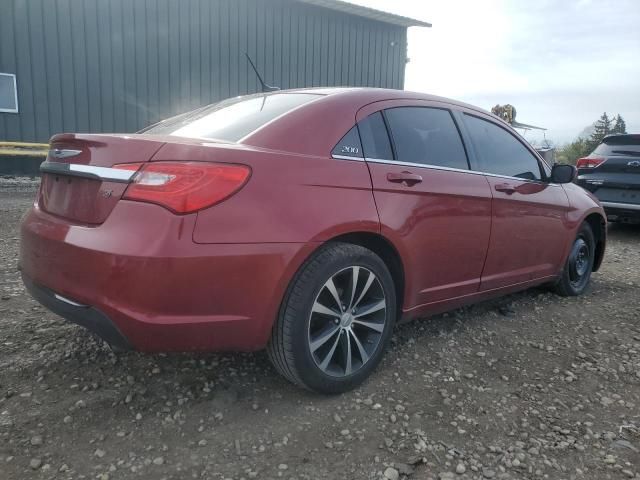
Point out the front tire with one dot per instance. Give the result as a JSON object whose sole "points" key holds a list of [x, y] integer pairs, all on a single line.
{"points": [[335, 321], [577, 270]]}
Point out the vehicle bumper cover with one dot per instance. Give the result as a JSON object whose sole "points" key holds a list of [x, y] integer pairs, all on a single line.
{"points": [[141, 273], [92, 319], [622, 212]]}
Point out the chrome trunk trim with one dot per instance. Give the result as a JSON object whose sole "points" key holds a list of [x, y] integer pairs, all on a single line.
{"points": [[87, 171]]}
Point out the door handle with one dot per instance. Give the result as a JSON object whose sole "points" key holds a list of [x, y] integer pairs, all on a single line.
{"points": [[408, 178], [505, 188]]}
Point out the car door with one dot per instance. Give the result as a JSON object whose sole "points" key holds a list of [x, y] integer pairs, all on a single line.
{"points": [[527, 234], [431, 205]]}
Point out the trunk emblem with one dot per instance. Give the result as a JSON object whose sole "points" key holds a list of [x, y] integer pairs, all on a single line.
{"points": [[634, 163], [106, 193]]}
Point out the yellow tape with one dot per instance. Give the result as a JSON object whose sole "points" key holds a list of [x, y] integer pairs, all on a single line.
{"points": [[24, 149], [24, 145], [20, 152]]}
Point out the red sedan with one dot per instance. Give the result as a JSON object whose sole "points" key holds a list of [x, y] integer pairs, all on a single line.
{"points": [[306, 221]]}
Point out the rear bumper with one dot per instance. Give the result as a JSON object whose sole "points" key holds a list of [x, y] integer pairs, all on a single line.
{"points": [[618, 193], [143, 283], [622, 212], [91, 318]]}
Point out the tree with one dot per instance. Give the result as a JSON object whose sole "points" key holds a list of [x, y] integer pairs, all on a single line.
{"points": [[573, 151], [620, 126], [602, 128], [582, 147]]}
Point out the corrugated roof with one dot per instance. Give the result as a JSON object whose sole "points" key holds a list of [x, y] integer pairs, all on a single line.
{"points": [[368, 13]]}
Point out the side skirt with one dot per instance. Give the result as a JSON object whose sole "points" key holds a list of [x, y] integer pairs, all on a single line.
{"points": [[442, 306]]}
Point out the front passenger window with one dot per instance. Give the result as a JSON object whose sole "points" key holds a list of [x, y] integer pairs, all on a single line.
{"points": [[499, 151]]}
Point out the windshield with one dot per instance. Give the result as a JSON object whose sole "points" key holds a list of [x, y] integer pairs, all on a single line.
{"points": [[617, 149], [232, 119]]}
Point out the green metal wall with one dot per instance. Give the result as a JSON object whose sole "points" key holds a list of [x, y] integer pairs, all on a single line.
{"points": [[118, 65]]}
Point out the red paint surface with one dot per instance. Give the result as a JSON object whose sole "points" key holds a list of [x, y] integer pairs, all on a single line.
{"points": [[215, 279]]}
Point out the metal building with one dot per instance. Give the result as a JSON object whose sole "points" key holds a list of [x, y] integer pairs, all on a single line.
{"points": [[118, 65]]}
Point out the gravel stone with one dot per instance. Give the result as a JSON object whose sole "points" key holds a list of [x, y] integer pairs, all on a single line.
{"points": [[391, 474], [446, 476], [488, 473], [546, 387]]}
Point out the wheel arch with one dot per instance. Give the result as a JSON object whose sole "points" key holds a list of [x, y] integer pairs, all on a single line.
{"points": [[598, 226], [375, 242], [382, 247]]}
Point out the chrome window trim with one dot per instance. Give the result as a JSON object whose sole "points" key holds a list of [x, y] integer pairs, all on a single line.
{"points": [[542, 182], [422, 165], [460, 170], [87, 171], [623, 206], [346, 157]]}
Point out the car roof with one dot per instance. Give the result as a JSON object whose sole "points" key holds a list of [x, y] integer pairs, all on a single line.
{"points": [[367, 95], [315, 135], [622, 139]]}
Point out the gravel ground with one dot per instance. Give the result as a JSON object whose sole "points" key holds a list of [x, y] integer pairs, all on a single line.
{"points": [[531, 386]]}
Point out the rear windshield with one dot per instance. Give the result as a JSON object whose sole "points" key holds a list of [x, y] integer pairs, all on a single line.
{"points": [[232, 119], [606, 149]]}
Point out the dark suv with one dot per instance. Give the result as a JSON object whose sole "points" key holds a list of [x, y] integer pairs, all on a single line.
{"points": [[612, 173]]}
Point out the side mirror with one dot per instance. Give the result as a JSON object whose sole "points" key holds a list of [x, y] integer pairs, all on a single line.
{"points": [[562, 173]]}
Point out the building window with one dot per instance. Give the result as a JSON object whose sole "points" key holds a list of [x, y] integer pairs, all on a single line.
{"points": [[8, 93]]}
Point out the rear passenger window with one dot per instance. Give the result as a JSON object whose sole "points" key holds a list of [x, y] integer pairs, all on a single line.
{"points": [[375, 139], [426, 136], [349, 145], [500, 152]]}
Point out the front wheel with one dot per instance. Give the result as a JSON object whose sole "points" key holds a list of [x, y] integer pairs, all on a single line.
{"points": [[336, 319], [577, 270]]}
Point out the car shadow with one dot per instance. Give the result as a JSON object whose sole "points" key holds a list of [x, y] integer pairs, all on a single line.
{"points": [[624, 231], [226, 378]]}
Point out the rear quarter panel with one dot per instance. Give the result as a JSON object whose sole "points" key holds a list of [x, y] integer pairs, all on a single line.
{"points": [[289, 197]]}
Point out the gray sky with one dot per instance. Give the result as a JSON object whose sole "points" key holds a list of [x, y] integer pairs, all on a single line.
{"points": [[560, 63]]}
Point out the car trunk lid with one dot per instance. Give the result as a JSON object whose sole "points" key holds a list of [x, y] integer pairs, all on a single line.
{"points": [[617, 154], [622, 161], [79, 182]]}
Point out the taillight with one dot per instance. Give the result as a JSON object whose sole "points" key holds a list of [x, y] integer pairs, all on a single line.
{"points": [[589, 162], [185, 187]]}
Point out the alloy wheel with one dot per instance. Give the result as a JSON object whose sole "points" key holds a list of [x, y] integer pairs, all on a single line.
{"points": [[347, 320]]}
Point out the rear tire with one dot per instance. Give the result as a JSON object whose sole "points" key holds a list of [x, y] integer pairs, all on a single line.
{"points": [[332, 331], [577, 270]]}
